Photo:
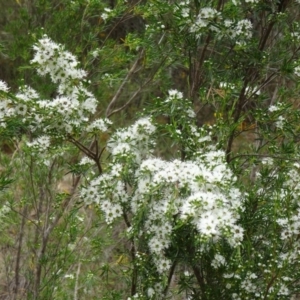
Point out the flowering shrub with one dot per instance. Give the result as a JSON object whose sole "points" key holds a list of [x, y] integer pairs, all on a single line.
{"points": [[200, 191]]}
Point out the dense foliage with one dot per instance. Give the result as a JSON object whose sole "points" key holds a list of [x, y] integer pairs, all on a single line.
{"points": [[150, 150]]}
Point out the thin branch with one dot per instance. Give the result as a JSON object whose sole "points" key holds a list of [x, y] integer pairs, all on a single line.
{"points": [[119, 91], [132, 254], [139, 89], [236, 116], [17, 267], [85, 150], [171, 273], [76, 282], [264, 155], [129, 101], [200, 280]]}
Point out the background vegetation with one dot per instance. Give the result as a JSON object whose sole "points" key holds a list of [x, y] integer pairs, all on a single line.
{"points": [[238, 65]]}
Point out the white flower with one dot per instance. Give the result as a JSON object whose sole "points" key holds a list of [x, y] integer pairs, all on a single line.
{"points": [[284, 291], [191, 113], [273, 108], [112, 211], [297, 70], [174, 94], [90, 105], [243, 28], [218, 261], [105, 15], [122, 148], [61, 65], [150, 292], [5, 209], [99, 124], [27, 93], [95, 53], [3, 86], [155, 245], [238, 235], [267, 161], [21, 109], [205, 15], [163, 265], [86, 161], [207, 224], [41, 144], [185, 12], [280, 122]]}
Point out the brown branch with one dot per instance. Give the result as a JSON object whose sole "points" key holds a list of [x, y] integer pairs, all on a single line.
{"points": [[17, 267], [120, 89], [171, 273], [128, 102], [87, 151], [47, 230], [269, 285], [200, 280], [132, 254], [139, 89]]}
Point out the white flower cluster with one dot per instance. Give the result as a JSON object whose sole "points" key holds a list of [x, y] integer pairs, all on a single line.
{"points": [[284, 200], [19, 105], [281, 121], [292, 181], [86, 161], [204, 20], [273, 108], [297, 70], [196, 191], [108, 190], [69, 110], [132, 141], [6, 110], [210, 19], [3, 86], [40, 144], [4, 210], [290, 227], [210, 209], [240, 31], [61, 65], [99, 125], [243, 28], [249, 284], [104, 188], [218, 261], [174, 96], [183, 7], [184, 130], [106, 14], [74, 103], [295, 36]]}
